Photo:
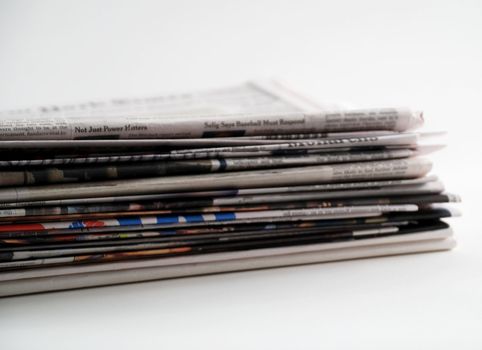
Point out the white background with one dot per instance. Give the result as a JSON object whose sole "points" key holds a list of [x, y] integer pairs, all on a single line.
{"points": [[424, 54]]}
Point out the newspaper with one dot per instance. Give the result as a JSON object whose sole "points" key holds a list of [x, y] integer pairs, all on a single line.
{"points": [[128, 232], [27, 274], [150, 169], [172, 220], [141, 127], [48, 258], [233, 145], [28, 281], [96, 201], [205, 206], [248, 110], [49, 160], [401, 139], [335, 220], [125, 158], [390, 169], [32, 250], [430, 188], [38, 160], [36, 252], [25, 242], [29, 145]]}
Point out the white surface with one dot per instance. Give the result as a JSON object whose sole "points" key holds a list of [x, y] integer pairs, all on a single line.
{"points": [[424, 54]]}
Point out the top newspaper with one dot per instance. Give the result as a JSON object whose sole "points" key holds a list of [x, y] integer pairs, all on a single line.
{"points": [[246, 110]]}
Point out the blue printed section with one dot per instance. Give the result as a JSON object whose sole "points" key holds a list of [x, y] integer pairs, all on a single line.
{"points": [[229, 193], [167, 219], [77, 224], [222, 164], [225, 216], [130, 221], [168, 233], [194, 218]]}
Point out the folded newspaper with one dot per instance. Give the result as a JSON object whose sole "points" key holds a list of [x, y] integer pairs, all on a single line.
{"points": [[247, 177]]}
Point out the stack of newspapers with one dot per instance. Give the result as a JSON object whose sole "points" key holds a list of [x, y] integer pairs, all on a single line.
{"points": [[246, 177]]}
